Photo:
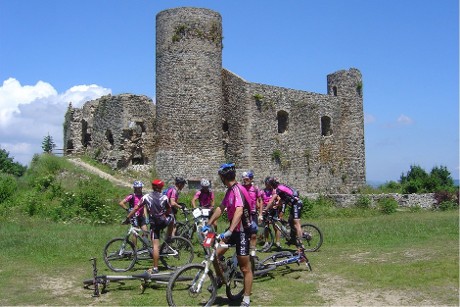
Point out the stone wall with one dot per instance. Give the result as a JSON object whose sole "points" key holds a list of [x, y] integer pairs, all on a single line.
{"points": [[117, 130], [425, 201]]}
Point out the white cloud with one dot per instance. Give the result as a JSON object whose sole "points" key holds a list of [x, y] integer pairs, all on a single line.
{"points": [[369, 118], [405, 120], [13, 94], [28, 113]]}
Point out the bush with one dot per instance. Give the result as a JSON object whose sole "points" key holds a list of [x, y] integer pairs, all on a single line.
{"points": [[387, 205], [363, 202], [8, 186], [448, 205]]}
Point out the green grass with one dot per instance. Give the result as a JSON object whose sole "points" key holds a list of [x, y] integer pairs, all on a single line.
{"points": [[369, 260]]}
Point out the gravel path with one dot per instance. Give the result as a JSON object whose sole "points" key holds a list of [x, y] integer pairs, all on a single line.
{"points": [[78, 162]]}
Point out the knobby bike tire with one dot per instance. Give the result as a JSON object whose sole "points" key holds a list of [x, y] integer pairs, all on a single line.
{"points": [[260, 269], [185, 253], [235, 286], [184, 230], [312, 237], [117, 260], [182, 285], [261, 239]]}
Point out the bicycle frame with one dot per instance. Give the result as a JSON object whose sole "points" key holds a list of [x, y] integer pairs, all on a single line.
{"points": [[228, 270], [292, 258]]}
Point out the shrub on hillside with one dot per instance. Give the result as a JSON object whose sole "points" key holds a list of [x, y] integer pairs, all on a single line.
{"points": [[8, 186]]}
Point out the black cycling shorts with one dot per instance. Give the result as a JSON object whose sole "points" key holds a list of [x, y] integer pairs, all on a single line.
{"points": [[241, 241], [157, 225]]}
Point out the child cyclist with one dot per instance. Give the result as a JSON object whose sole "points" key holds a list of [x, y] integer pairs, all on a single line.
{"points": [[205, 198]]}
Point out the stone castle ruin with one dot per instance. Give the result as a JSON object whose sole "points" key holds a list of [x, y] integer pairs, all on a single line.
{"points": [[206, 115]]}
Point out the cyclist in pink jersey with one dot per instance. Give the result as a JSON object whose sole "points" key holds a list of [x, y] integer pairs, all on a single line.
{"points": [[236, 202], [288, 197], [131, 204], [265, 196], [253, 192], [173, 193], [205, 198]]}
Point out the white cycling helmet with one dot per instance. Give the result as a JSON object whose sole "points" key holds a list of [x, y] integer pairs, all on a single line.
{"points": [[205, 183], [138, 184]]}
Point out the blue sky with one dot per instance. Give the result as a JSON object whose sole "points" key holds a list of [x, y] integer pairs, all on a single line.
{"points": [[55, 51]]}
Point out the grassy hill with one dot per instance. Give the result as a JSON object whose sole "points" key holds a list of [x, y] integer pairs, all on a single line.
{"points": [[60, 215]]}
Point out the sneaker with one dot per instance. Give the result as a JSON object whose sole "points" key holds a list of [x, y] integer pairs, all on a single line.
{"points": [[244, 304], [278, 246], [153, 271], [266, 246]]}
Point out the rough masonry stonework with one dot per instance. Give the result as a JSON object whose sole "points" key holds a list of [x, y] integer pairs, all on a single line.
{"points": [[206, 115]]}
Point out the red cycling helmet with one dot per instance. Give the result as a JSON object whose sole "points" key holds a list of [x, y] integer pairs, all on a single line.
{"points": [[158, 183]]}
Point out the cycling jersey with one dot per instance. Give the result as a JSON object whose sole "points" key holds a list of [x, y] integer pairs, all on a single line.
{"points": [[133, 200], [157, 205], [205, 198], [237, 196], [266, 196], [172, 193], [287, 194], [252, 192]]}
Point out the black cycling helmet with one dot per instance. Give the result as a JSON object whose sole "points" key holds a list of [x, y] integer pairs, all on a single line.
{"points": [[273, 182], [180, 180]]}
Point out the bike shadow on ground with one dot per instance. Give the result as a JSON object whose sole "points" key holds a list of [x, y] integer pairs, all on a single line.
{"points": [[224, 301]]}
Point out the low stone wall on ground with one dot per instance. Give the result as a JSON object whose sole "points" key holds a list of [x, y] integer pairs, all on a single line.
{"points": [[426, 201]]}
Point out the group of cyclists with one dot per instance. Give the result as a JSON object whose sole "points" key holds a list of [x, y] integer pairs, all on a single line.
{"points": [[244, 203]]}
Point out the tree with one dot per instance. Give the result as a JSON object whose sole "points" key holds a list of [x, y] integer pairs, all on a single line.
{"points": [[417, 180], [48, 144], [8, 166]]}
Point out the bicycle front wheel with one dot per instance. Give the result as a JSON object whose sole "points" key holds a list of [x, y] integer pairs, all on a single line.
{"points": [[190, 286], [235, 286], [183, 230], [120, 255], [176, 253]]}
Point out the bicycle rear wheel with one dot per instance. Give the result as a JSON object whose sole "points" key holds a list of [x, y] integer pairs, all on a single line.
{"points": [[312, 237], [190, 286], [176, 253], [120, 255]]}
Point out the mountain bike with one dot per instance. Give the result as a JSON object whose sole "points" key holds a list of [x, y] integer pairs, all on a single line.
{"points": [[284, 258], [312, 236], [120, 254], [186, 229], [99, 283], [196, 284]]}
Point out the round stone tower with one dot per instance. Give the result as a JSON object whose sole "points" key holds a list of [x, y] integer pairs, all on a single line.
{"points": [[347, 86], [188, 93]]}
